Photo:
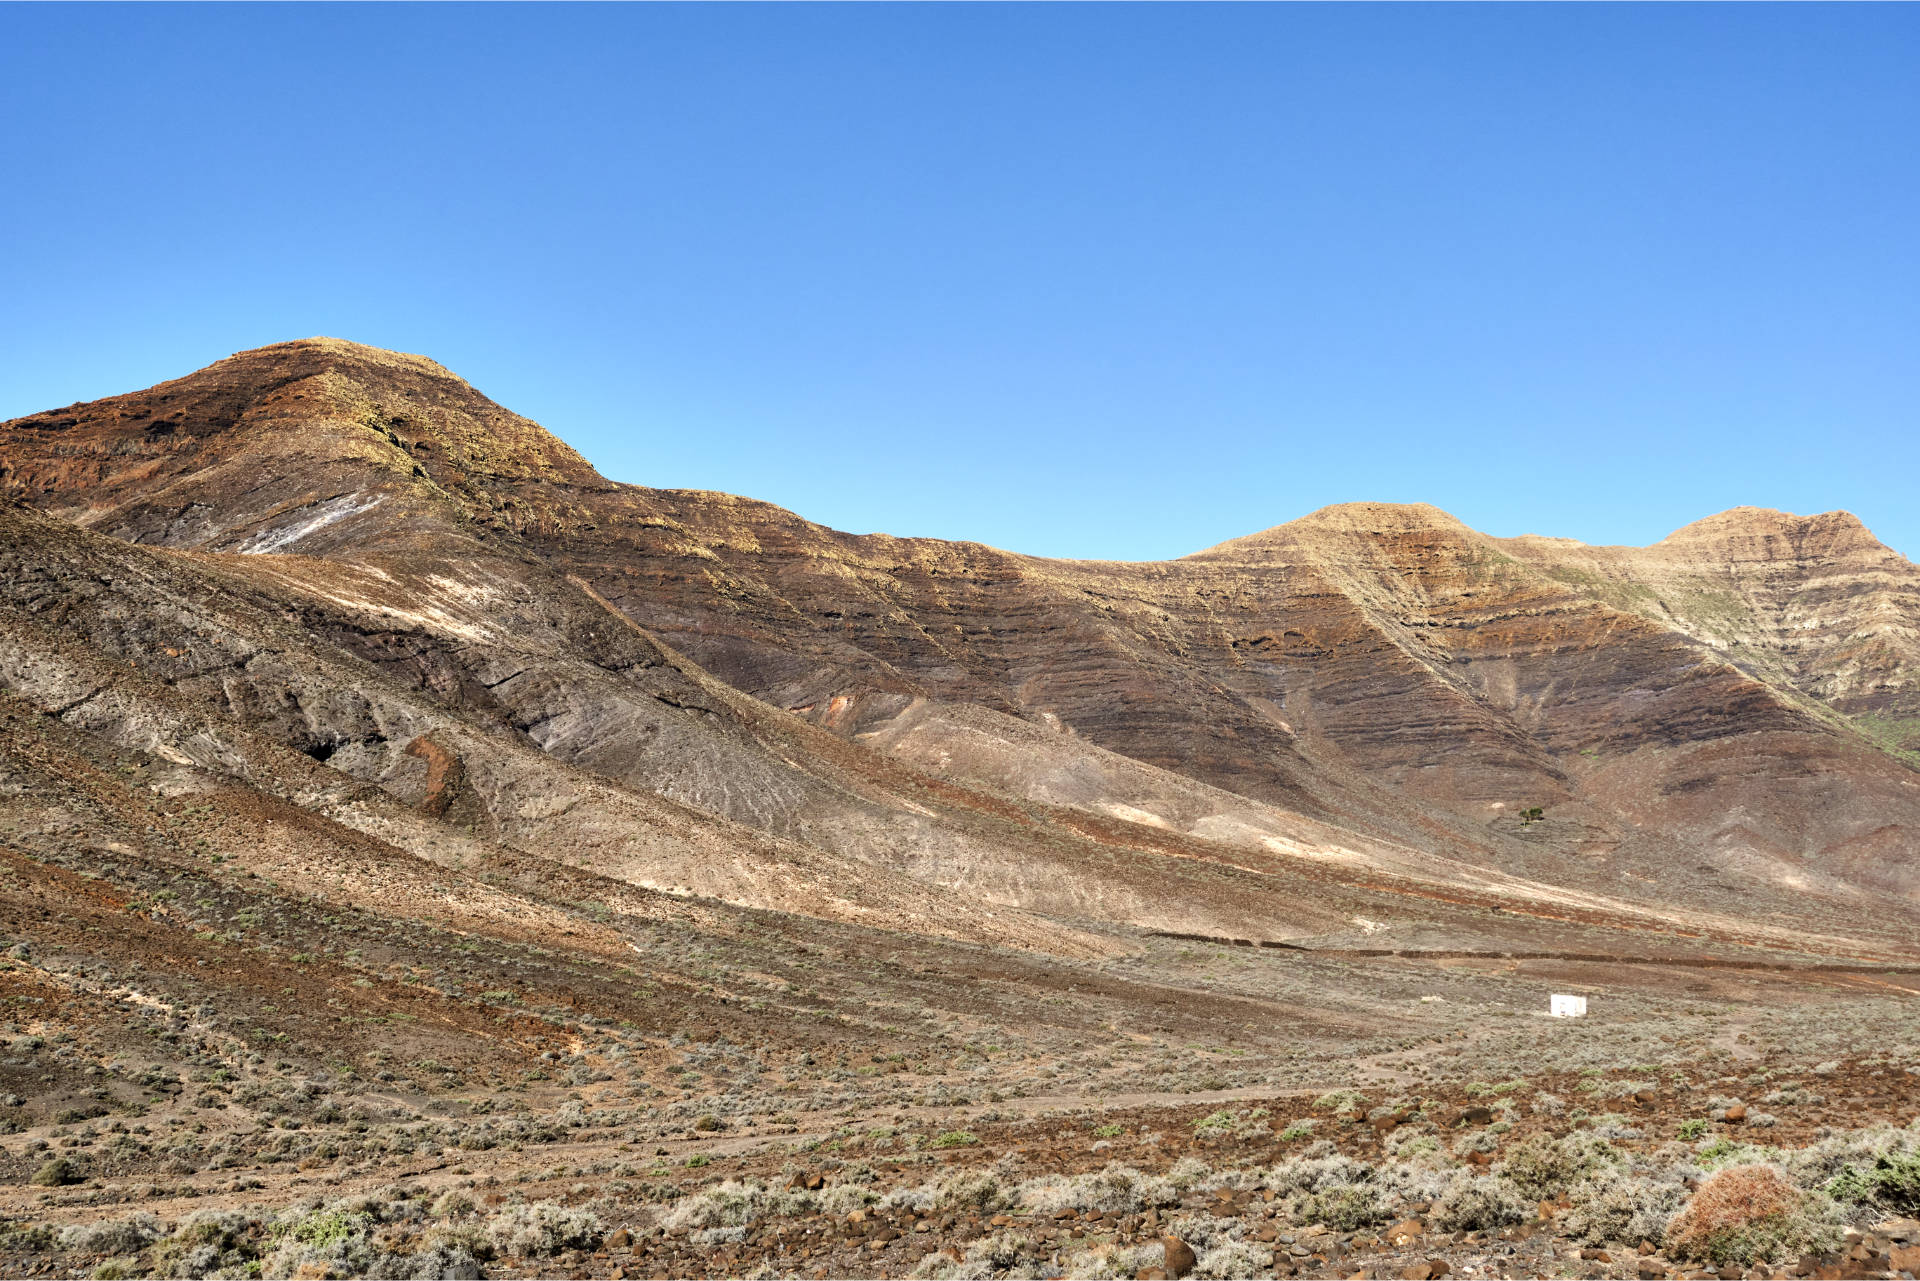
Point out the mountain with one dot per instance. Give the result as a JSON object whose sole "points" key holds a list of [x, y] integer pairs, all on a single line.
{"points": [[343, 577], [396, 813]]}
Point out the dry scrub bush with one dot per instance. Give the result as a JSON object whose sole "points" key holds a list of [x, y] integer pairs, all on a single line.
{"points": [[1614, 1205], [1118, 1189], [1471, 1203], [1114, 1263], [1235, 1259], [116, 1236], [1543, 1168], [1749, 1213], [542, 1228]]}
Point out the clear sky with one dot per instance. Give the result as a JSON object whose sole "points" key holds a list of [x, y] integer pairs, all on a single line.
{"points": [[1076, 280]]}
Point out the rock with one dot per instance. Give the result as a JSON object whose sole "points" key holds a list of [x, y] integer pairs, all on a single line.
{"points": [[1904, 1258], [619, 1239], [1180, 1258], [1735, 1114]]}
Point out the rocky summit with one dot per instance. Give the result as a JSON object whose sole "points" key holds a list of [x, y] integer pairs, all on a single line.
{"points": [[422, 856]]}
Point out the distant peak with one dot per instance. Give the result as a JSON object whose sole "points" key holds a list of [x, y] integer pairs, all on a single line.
{"points": [[1386, 516], [1343, 521], [1740, 521], [1762, 533]]}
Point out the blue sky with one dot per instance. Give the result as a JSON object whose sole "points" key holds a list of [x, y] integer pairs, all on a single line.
{"points": [[1076, 280]]}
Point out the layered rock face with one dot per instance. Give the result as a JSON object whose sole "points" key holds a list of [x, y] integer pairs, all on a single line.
{"points": [[1811, 604], [1251, 740]]}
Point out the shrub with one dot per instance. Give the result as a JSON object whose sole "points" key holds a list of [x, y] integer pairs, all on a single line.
{"points": [[1693, 1129], [1891, 1182], [55, 1173], [1613, 1206], [116, 1236], [1472, 1203], [1233, 1259], [1344, 1207], [207, 1241], [728, 1204], [1410, 1143], [971, 1190], [1214, 1125], [1313, 1170], [1114, 1263], [542, 1228], [1746, 1214], [1544, 1168], [1001, 1250], [1339, 1101], [955, 1139], [1118, 1189]]}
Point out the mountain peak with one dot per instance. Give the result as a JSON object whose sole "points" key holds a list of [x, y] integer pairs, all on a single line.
{"points": [[276, 429], [1746, 534], [336, 351], [1342, 521]]}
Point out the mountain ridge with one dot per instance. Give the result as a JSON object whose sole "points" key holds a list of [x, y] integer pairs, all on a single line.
{"points": [[1376, 684], [542, 452]]}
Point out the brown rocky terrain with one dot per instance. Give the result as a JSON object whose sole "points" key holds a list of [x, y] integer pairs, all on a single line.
{"points": [[385, 794]]}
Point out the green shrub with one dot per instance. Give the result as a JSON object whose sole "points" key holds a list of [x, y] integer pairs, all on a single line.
{"points": [[1891, 1182], [1214, 1125], [955, 1139], [1339, 1101], [55, 1173]]}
